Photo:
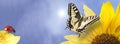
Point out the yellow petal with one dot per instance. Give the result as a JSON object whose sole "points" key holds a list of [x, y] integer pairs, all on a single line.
{"points": [[72, 38], [88, 11], [106, 15], [8, 38], [77, 40], [116, 21], [71, 42], [14, 40], [94, 27], [68, 42], [118, 10]]}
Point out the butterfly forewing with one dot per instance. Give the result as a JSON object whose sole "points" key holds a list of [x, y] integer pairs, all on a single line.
{"points": [[87, 21], [74, 16], [74, 13]]}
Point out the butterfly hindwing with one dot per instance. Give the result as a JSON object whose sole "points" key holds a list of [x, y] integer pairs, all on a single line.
{"points": [[89, 18], [87, 21]]}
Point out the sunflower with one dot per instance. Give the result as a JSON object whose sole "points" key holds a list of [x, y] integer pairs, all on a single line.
{"points": [[105, 31], [8, 38]]}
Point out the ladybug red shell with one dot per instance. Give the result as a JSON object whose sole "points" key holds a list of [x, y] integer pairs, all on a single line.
{"points": [[9, 29]]}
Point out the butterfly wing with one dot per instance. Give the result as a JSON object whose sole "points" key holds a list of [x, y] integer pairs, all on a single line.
{"points": [[87, 21], [74, 16]]}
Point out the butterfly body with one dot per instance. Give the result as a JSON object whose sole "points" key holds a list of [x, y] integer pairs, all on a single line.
{"points": [[76, 21]]}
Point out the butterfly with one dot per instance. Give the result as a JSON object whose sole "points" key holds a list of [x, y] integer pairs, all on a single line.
{"points": [[77, 22]]}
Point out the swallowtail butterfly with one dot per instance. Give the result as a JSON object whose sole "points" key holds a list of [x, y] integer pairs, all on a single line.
{"points": [[76, 21]]}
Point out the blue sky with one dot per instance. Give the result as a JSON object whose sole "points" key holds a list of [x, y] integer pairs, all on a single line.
{"points": [[42, 21]]}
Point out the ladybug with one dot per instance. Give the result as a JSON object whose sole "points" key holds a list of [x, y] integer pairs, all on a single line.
{"points": [[9, 29]]}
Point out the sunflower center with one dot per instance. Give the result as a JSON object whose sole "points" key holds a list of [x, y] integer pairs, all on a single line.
{"points": [[105, 39]]}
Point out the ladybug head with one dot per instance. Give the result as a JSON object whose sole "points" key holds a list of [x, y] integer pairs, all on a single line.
{"points": [[9, 29]]}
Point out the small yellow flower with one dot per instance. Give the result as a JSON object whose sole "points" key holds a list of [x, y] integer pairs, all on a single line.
{"points": [[8, 38], [107, 31]]}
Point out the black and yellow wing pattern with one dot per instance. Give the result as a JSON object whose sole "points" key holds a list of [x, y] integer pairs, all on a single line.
{"points": [[76, 21]]}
